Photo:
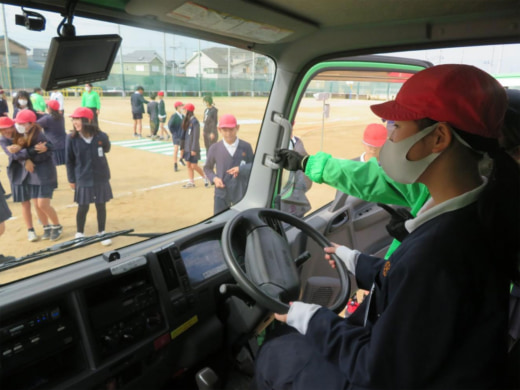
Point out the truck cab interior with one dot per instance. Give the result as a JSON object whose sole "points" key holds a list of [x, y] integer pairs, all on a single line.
{"points": [[188, 308]]}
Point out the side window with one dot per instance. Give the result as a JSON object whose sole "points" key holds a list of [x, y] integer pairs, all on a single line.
{"points": [[332, 115]]}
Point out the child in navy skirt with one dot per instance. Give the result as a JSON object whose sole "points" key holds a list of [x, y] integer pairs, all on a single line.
{"points": [[54, 127], [87, 169], [191, 127], [17, 173], [5, 214], [42, 178]]}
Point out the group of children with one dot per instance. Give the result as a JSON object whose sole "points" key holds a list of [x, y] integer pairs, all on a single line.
{"points": [[36, 143], [228, 162]]}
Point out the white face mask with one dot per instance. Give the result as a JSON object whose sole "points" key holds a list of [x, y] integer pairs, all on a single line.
{"points": [[20, 128], [395, 164], [22, 102], [88, 89]]}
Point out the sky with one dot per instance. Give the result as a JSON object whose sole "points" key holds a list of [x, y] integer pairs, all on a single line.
{"points": [[496, 60], [133, 38]]}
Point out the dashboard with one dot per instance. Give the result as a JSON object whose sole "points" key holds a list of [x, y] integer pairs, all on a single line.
{"points": [[133, 322]]}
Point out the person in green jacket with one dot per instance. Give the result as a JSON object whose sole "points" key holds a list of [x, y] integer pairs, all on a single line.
{"points": [[90, 99], [368, 181], [38, 101]]}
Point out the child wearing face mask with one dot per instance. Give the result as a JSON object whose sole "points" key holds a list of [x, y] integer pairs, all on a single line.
{"points": [[22, 101], [36, 152], [461, 250]]}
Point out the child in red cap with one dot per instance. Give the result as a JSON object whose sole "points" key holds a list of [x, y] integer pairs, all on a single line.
{"points": [[38, 179], [175, 127], [461, 252], [53, 125], [87, 169], [228, 164], [191, 127]]}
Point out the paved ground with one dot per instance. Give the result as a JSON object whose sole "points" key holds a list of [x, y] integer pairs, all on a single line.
{"points": [[147, 192]]}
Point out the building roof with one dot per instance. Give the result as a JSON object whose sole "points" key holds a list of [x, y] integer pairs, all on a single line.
{"points": [[142, 56], [218, 55], [16, 43]]}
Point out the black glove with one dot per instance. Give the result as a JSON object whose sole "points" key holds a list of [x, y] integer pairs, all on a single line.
{"points": [[396, 226], [291, 160]]}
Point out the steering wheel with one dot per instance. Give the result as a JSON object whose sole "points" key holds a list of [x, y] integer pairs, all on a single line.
{"points": [[271, 276]]}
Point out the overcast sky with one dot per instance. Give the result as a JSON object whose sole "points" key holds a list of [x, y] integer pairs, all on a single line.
{"points": [[496, 60]]}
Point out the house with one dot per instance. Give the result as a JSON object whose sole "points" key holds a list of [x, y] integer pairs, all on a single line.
{"points": [[141, 63], [17, 53], [40, 56], [214, 63]]}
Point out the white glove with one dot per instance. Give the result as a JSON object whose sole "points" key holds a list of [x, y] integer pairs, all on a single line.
{"points": [[349, 257]]}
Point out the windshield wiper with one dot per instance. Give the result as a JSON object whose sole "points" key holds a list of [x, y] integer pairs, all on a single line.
{"points": [[62, 247]]}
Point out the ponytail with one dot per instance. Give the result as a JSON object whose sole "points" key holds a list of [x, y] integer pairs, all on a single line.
{"points": [[499, 209]]}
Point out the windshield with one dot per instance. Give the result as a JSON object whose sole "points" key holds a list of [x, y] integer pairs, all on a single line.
{"points": [[156, 118], [138, 183]]}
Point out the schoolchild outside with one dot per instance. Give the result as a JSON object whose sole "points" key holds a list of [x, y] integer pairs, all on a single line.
{"points": [[88, 172], [90, 99], [53, 125], [32, 146], [191, 127], [228, 164], [175, 127], [153, 113]]}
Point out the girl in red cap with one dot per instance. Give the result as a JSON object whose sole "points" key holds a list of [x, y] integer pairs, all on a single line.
{"points": [[175, 127], [38, 179], [191, 127], [459, 256], [87, 169], [53, 125]]}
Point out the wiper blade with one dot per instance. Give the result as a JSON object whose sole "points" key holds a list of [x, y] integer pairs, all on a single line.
{"points": [[62, 247]]}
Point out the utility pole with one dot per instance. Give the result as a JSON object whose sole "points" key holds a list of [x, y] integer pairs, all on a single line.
{"points": [[229, 70], [164, 64], [7, 59], [121, 65], [200, 72], [253, 74]]}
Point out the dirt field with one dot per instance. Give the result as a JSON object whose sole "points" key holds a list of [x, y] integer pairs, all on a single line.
{"points": [[147, 192]]}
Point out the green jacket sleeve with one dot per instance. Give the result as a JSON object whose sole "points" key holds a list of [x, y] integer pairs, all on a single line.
{"points": [[364, 180]]}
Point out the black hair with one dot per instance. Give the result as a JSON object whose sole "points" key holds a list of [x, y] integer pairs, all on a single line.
{"points": [[25, 95], [499, 202], [88, 129], [55, 114], [186, 120], [208, 99]]}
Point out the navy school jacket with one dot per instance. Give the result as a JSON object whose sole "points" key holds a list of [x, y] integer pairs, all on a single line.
{"points": [[218, 157], [437, 318], [86, 163], [44, 170]]}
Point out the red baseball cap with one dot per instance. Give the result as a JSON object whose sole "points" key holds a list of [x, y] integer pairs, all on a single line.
{"points": [[53, 104], [6, 122], [375, 135], [464, 96], [160, 93], [227, 121], [25, 116], [82, 112], [177, 104], [189, 107]]}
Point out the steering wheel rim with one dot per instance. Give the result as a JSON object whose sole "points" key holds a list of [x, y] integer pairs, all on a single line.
{"points": [[254, 291]]}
